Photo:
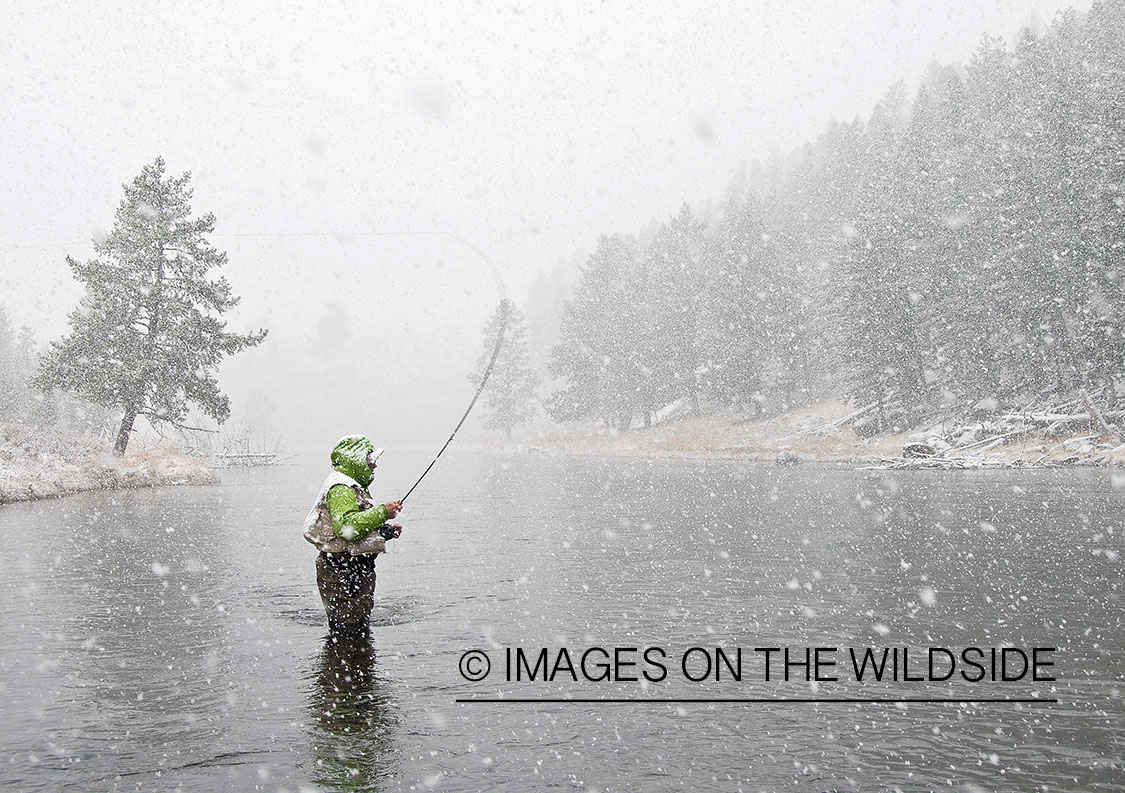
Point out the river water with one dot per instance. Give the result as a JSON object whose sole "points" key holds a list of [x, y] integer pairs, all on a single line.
{"points": [[172, 639]]}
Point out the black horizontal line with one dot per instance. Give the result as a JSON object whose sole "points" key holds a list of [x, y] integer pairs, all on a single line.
{"points": [[752, 700]]}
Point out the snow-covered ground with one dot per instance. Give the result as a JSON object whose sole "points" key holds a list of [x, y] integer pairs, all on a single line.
{"points": [[37, 465], [804, 435]]}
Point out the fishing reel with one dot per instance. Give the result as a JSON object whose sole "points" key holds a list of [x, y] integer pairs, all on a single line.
{"points": [[389, 531]]}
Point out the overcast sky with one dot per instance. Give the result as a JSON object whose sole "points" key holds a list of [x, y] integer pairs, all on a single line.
{"points": [[527, 129]]}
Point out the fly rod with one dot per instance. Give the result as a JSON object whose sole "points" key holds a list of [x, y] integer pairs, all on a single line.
{"points": [[476, 396]]}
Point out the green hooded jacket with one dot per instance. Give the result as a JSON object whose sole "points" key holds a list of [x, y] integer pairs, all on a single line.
{"points": [[351, 523]]}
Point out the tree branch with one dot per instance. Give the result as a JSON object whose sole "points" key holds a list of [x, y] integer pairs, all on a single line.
{"points": [[172, 422]]}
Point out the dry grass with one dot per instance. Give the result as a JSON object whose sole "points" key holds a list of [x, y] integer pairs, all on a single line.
{"points": [[729, 435], [38, 464], [720, 435]]}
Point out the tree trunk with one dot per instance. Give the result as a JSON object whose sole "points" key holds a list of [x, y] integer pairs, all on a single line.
{"points": [[1096, 417], [124, 431], [151, 335]]}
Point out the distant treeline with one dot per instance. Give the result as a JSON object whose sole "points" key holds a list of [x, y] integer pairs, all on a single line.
{"points": [[18, 401], [24, 406], [967, 245]]}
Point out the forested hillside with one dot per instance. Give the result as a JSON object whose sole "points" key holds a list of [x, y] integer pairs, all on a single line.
{"points": [[962, 250]]}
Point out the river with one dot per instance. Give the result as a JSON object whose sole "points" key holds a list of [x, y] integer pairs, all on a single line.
{"points": [[172, 638]]}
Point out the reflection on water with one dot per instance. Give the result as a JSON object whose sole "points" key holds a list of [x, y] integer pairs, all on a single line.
{"points": [[174, 638], [352, 716]]}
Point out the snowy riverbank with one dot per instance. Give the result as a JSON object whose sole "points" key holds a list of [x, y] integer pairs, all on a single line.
{"points": [[47, 465], [806, 435]]}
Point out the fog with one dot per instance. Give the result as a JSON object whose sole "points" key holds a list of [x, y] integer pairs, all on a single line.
{"points": [[366, 164]]}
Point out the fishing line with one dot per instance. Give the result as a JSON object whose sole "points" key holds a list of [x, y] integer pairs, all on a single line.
{"points": [[480, 388], [503, 309]]}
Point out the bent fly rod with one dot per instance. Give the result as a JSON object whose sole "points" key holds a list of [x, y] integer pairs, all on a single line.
{"points": [[476, 396]]}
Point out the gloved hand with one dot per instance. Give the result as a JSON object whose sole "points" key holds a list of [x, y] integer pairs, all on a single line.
{"points": [[389, 531]]}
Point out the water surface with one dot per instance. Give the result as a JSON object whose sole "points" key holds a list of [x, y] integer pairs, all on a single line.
{"points": [[172, 638]]}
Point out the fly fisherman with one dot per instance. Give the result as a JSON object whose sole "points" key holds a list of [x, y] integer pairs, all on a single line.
{"points": [[350, 530]]}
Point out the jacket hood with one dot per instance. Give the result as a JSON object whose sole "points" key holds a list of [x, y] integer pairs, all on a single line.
{"points": [[349, 457]]}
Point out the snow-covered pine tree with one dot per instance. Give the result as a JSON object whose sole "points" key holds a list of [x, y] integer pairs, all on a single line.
{"points": [[677, 272], [733, 326], [148, 333], [601, 351], [881, 354], [1100, 87], [509, 398], [17, 362]]}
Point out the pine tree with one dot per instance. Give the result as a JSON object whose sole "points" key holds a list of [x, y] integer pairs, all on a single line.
{"points": [[509, 397], [733, 326], [148, 333], [601, 350], [17, 363], [676, 270], [876, 285], [1100, 92]]}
